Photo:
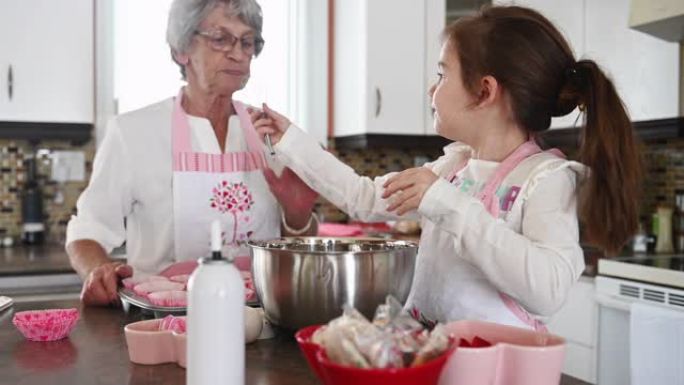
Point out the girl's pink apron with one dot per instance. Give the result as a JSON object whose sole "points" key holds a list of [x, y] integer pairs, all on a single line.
{"points": [[229, 187], [488, 197]]}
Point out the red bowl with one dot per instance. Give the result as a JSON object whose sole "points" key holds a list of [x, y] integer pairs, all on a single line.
{"points": [[309, 349], [426, 374]]}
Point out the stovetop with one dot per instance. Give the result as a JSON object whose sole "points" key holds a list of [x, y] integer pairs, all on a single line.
{"points": [[670, 262], [667, 270]]}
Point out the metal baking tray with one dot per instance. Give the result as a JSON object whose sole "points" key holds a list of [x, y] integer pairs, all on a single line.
{"points": [[129, 298]]}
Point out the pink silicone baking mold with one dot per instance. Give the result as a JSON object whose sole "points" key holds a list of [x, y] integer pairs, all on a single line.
{"points": [[149, 344], [517, 356]]}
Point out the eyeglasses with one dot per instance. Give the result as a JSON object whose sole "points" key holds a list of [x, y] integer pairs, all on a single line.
{"points": [[223, 41]]}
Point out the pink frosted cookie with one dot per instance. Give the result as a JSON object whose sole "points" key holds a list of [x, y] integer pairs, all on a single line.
{"points": [[146, 288], [131, 282], [169, 298], [182, 278], [46, 325]]}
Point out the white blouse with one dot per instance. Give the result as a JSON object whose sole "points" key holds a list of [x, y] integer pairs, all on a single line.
{"points": [[129, 197]]}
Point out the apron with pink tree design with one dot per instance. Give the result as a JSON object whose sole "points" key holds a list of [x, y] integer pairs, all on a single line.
{"points": [[229, 187]]}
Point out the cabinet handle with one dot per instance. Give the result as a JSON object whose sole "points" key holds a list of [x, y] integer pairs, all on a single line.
{"points": [[378, 102], [10, 82]]}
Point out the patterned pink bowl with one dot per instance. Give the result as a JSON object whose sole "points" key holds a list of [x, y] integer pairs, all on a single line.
{"points": [[46, 325]]}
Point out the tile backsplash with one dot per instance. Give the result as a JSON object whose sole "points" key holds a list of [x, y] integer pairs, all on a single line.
{"points": [[13, 174], [663, 168], [664, 175], [664, 163], [372, 163]]}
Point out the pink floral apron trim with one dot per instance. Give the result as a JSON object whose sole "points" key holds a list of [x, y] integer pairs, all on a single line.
{"points": [[184, 159], [228, 162], [491, 203]]}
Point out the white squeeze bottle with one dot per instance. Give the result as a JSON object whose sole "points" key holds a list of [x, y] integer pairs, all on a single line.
{"points": [[215, 322]]}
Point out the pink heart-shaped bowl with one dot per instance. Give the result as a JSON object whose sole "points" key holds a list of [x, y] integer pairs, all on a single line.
{"points": [[155, 342], [46, 325], [517, 356]]}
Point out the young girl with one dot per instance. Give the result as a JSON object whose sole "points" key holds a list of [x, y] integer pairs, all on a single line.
{"points": [[500, 238]]}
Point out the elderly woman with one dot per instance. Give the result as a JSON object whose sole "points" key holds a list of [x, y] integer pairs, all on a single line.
{"points": [[165, 172]]}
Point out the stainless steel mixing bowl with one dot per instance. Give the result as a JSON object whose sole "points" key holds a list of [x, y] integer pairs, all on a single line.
{"points": [[306, 281]]}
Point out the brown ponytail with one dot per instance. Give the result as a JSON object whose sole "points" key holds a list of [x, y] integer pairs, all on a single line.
{"points": [[537, 70], [610, 203]]}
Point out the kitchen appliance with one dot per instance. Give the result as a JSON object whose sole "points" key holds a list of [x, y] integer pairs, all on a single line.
{"points": [[33, 228], [306, 281], [646, 279]]}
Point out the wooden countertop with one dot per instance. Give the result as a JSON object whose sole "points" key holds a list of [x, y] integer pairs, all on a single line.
{"points": [[96, 352]]}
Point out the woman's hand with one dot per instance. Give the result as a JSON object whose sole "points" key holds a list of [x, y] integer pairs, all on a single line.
{"points": [[101, 284], [407, 188], [296, 198], [269, 122]]}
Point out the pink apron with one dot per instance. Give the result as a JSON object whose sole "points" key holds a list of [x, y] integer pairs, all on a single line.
{"points": [[488, 197], [229, 187]]}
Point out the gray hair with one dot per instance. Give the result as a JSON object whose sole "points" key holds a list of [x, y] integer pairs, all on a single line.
{"points": [[185, 16]]}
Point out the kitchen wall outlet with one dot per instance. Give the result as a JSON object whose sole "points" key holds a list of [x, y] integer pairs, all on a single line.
{"points": [[68, 166]]}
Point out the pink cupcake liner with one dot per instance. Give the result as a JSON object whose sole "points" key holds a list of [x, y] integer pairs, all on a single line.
{"points": [[46, 325], [169, 298]]}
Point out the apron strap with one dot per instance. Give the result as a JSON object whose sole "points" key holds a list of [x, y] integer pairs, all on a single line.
{"points": [[488, 194], [253, 142], [181, 131]]}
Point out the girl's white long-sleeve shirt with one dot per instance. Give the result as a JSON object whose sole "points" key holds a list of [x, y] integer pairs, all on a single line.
{"points": [[531, 252]]}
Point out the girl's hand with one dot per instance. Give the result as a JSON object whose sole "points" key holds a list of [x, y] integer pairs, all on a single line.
{"points": [[269, 122], [407, 189]]}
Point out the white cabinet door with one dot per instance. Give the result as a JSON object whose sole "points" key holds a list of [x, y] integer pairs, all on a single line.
{"points": [[577, 322], [568, 17], [49, 46], [396, 64], [644, 68], [379, 67]]}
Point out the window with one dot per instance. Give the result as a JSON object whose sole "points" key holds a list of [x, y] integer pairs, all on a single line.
{"points": [[144, 72]]}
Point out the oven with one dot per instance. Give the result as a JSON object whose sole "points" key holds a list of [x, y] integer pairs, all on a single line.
{"points": [[656, 282]]}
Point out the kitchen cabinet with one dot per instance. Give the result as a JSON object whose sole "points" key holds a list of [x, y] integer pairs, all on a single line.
{"points": [[644, 69], [577, 323], [46, 61], [379, 66]]}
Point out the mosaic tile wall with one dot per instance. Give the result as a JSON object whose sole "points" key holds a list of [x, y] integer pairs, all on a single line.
{"points": [[13, 175], [374, 162], [664, 163], [664, 175], [664, 172]]}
